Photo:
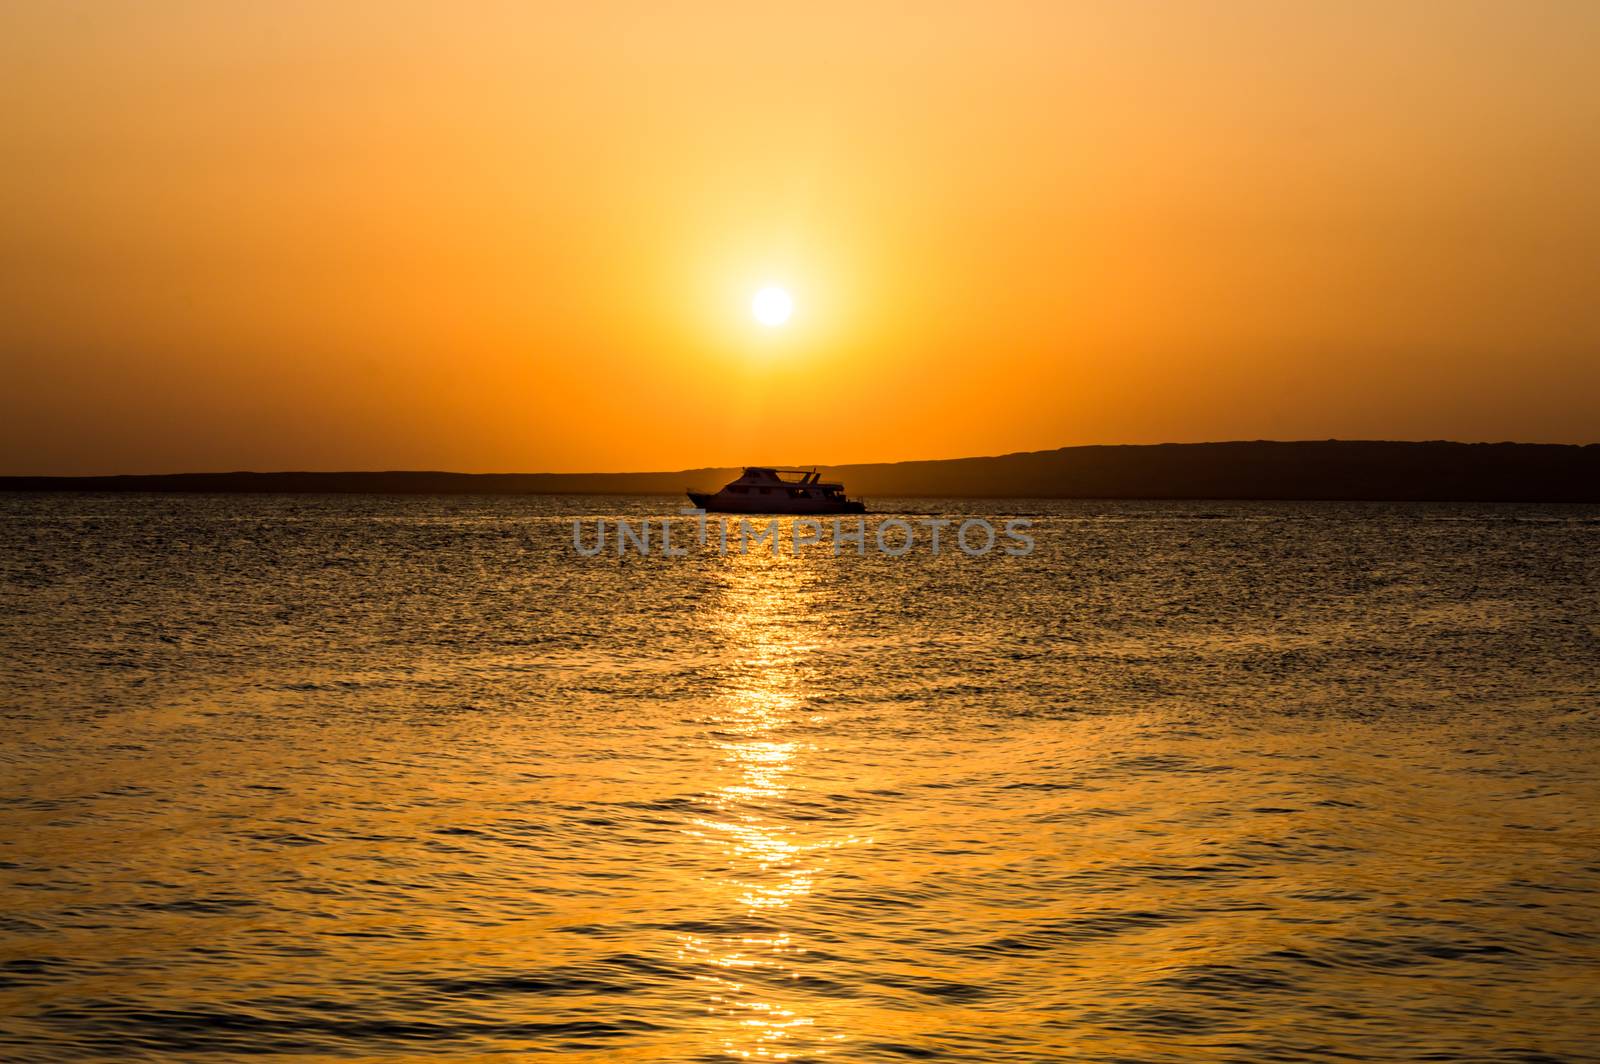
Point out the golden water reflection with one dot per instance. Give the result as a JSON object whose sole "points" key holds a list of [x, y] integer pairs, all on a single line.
{"points": [[762, 622]]}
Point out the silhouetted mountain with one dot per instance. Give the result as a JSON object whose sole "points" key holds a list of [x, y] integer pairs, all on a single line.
{"points": [[1327, 469]]}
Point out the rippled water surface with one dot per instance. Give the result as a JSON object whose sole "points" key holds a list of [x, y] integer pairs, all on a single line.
{"points": [[385, 779]]}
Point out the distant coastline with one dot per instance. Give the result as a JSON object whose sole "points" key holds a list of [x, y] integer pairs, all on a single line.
{"points": [[1323, 469]]}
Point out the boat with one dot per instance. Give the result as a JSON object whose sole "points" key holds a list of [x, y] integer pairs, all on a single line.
{"points": [[764, 490]]}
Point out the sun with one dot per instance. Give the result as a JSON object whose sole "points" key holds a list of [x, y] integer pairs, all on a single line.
{"points": [[772, 306]]}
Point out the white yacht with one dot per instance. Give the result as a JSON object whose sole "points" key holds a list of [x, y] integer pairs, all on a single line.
{"points": [[764, 490]]}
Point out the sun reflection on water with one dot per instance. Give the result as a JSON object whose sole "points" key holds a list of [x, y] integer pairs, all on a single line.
{"points": [[770, 865]]}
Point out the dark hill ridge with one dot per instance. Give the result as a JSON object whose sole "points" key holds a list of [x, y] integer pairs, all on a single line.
{"points": [[1324, 469]]}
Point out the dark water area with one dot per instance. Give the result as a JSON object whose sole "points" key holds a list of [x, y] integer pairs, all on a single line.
{"points": [[378, 778]]}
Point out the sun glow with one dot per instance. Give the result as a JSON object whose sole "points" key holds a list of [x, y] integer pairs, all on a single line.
{"points": [[772, 306]]}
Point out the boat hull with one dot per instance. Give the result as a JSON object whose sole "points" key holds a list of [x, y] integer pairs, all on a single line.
{"points": [[726, 503]]}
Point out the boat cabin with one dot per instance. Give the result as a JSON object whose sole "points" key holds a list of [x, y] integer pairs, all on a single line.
{"points": [[767, 490], [801, 484]]}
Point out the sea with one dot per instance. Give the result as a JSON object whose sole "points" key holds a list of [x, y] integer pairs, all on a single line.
{"points": [[375, 778]]}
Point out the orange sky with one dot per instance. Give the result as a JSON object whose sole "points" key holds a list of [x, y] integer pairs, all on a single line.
{"points": [[522, 236]]}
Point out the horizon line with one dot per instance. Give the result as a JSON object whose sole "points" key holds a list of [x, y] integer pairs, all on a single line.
{"points": [[785, 465]]}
